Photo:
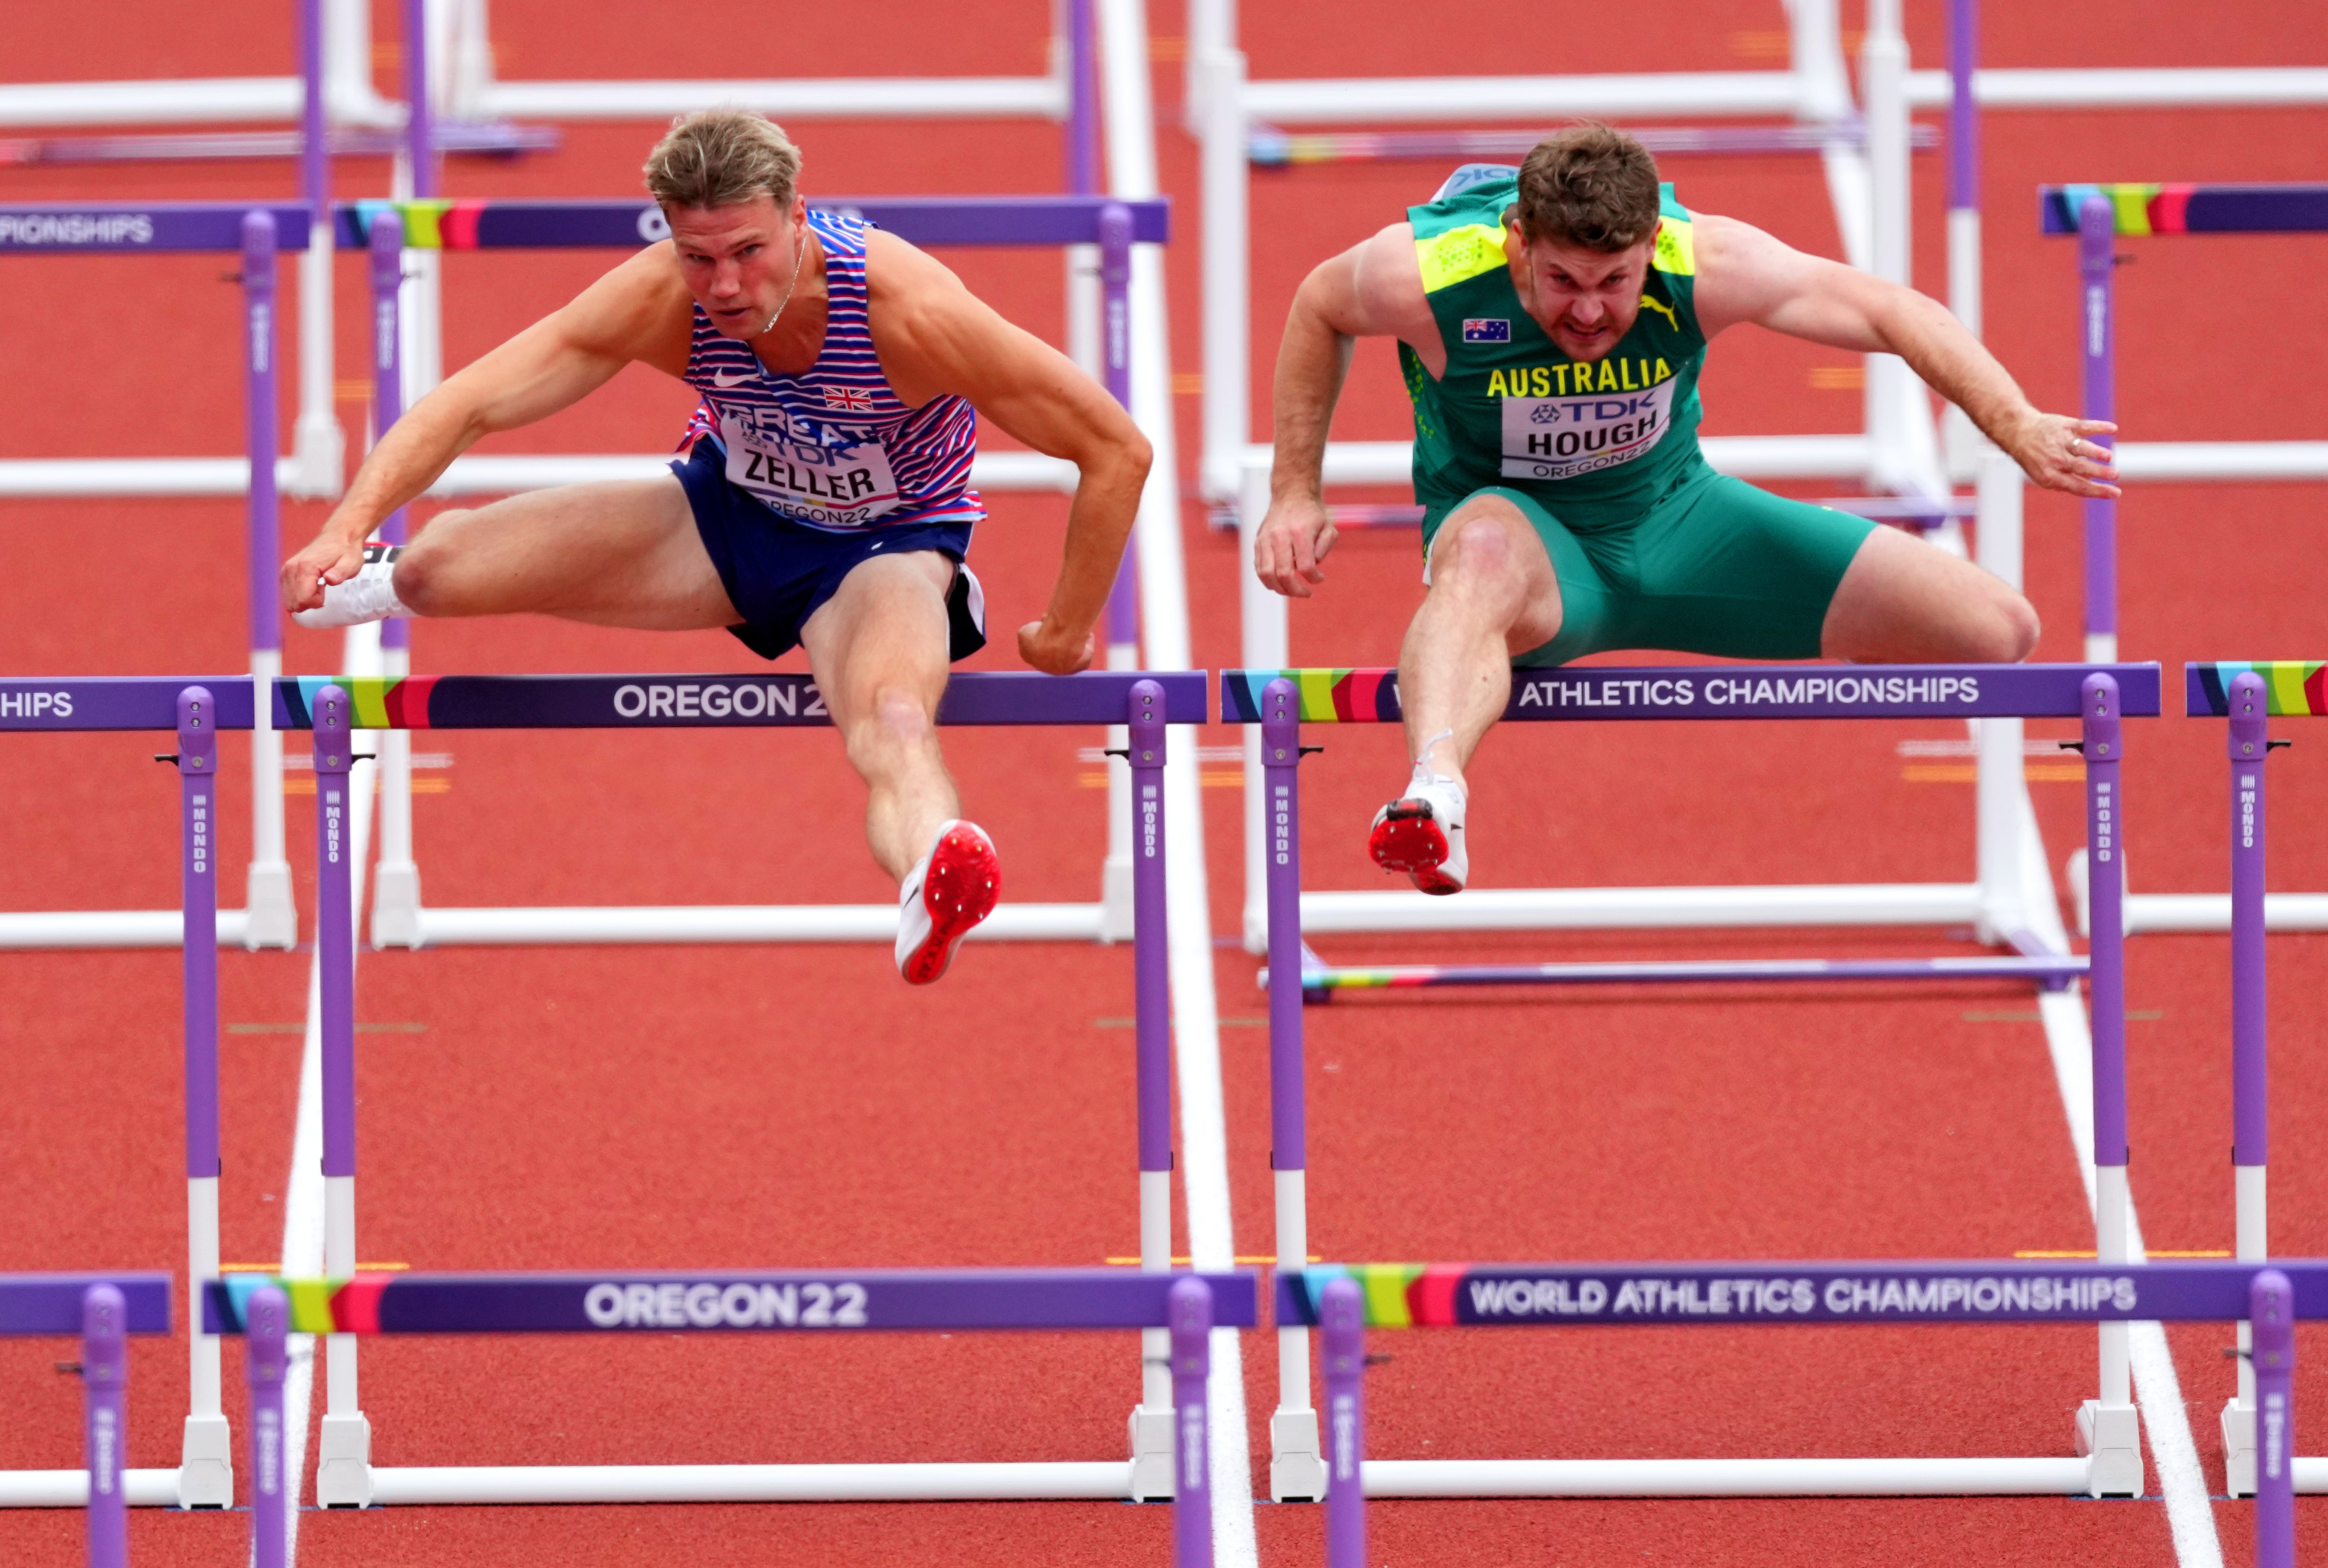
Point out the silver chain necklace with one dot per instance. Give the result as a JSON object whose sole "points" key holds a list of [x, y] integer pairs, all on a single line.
{"points": [[800, 248]]}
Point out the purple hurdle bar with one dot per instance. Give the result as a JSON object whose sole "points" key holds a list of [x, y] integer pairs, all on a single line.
{"points": [[2097, 251], [1345, 1322], [273, 1469], [105, 1379], [630, 223]]}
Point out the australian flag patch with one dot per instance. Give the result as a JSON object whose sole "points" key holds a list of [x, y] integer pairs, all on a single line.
{"points": [[1494, 329]]}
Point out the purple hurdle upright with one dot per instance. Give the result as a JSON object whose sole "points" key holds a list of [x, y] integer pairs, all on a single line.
{"points": [[273, 1469], [343, 1454], [1191, 1307], [2107, 1427], [1297, 1469], [2250, 744], [395, 880], [2097, 248], [2271, 1328], [206, 1458], [1343, 1321], [105, 1380], [1152, 1443]]}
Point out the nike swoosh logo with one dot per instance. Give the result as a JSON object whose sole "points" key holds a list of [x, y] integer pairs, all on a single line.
{"points": [[723, 381]]}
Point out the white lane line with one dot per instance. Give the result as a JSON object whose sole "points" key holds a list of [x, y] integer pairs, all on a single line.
{"points": [[302, 1192]]}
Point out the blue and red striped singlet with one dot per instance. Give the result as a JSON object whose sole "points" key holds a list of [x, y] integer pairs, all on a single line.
{"points": [[833, 448]]}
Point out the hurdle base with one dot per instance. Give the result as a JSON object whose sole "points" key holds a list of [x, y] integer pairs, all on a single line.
{"points": [[344, 1477], [206, 1464], [1153, 1433], [1297, 1469], [396, 904], [270, 918], [69, 1489], [2110, 1437], [2239, 1449], [110, 928], [456, 1484], [707, 923], [1766, 1477]]}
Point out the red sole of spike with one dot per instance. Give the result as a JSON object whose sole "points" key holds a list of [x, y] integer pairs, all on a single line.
{"points": [[1411, 841], [962, 885]]}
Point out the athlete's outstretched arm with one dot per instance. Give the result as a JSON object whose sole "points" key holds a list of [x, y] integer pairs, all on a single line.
{"points": [[627, 314], [934, 336], [1745, 275], [1374, 290]]}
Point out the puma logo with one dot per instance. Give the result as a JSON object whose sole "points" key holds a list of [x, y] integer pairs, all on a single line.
{"points": [[721, 381], [1663, 309]]}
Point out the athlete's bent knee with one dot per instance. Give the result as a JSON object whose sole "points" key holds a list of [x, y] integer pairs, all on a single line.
{"points": [[2009, 632], [420, 576], [897, 723], [1479, 545]]}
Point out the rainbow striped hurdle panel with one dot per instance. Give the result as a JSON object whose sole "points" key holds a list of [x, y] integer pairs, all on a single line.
{"points": [[2293, 689], [2172, 208]]}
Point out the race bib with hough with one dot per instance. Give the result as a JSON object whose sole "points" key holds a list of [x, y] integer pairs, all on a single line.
{"points": [[808, 470], [1559, 438]]}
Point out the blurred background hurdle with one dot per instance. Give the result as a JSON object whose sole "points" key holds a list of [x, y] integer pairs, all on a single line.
{"points": [[102, 1310]]}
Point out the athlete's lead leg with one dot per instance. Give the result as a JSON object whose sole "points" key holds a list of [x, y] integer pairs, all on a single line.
{"points": [[1493, 595], [879, 649]]}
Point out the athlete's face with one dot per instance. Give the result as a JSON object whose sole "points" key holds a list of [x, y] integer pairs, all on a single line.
{"points": [[738, 260], [1585, 300]]}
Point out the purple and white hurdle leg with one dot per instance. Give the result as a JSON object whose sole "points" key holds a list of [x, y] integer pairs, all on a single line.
{"points": [[2249, 746], [343, 1453], [1297, 1469], [1152, 1443], [2108, 1429], [2097, 251], [206, 1450], [270, 918], [1345, 1323], [1191, 1333], [395, 880]]}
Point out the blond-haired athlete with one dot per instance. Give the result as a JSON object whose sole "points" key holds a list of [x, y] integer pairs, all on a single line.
{"points": [[825, 501]]}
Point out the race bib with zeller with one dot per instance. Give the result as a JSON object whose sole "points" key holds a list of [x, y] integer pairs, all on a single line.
{"points": [[785, 465], [1561, 437]]}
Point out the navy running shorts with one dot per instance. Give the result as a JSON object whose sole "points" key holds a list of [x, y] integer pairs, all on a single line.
{"points": [[777, 572]]}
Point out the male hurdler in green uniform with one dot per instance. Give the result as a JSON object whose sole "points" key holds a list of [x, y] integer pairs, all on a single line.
{"points": [[1551, 323]]}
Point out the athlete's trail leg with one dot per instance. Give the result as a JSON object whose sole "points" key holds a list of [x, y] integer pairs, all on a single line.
{"points": [[879, 647], [1903, 602], [1492, 595], [617, 553]]}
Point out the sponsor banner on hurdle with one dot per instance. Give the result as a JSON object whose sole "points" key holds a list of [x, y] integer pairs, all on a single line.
{"points": [[116, 701], [151, 226], [616, 1300], [627, 223], [714, 701], [1463, 1295], [2293, 689], [2184, 209], [51, 1303], [1370, 696]]}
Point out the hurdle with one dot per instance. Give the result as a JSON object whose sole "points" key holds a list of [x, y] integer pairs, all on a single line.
{"points": [[2249, 695], [1278, 702], [1146, 704], [256, 234], [2098, 215], [2266, 1301], [196, 709], [1183, 1307], [102, 1310]]}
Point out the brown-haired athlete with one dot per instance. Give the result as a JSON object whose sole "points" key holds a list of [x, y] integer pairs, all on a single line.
{"points": [[1550, 323], [826, 501]]}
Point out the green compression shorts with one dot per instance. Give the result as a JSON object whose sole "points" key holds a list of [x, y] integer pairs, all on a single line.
{"points": [[1715, 566]]}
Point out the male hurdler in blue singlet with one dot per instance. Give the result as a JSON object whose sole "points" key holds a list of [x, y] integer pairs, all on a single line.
{"points": [[826, 502]]}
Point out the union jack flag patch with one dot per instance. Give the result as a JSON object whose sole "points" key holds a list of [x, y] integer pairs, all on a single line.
{"points": [[1494, 329], [852, 398]]}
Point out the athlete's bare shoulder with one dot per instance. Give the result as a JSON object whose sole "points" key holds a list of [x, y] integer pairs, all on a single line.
{"points": [[640, 309], [1388, 279]]}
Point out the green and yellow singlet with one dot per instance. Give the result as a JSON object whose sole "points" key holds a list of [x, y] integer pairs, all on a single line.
{"points": [[1597, 442]]}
